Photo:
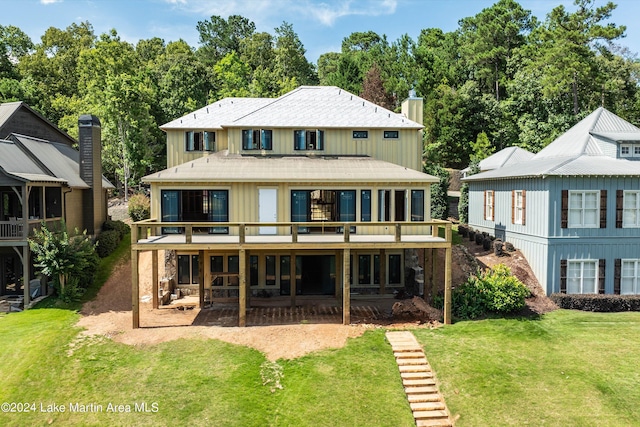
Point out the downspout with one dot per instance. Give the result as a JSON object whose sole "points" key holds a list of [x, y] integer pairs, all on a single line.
{"points": [[64, 207]]}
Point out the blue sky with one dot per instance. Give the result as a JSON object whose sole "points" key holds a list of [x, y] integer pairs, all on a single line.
{"points": [[320, 24]]}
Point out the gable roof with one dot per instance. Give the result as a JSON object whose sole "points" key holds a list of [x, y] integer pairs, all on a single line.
{"points": [[225, 167], [30, 159], [9, 117], [580, 151], [304, 107], [506, 156]]}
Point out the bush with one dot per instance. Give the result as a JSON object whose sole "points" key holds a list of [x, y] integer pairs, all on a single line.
{"points": [[600, 303], [139, 207], [495, 290], [118, 226], [107, 242]]}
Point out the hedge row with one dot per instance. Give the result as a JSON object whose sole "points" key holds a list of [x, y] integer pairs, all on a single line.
{"points": [[600, 303], [109, 239]]}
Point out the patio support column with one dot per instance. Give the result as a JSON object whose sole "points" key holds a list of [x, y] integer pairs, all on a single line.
{"points": [[434, 270], [201, 279], [428, 278], [346, 287], [154, 278], [383, 271], [294, 281], [447, 275], [242, 288], [447, 286], [25, 249], [135, 298], [338, 275]]}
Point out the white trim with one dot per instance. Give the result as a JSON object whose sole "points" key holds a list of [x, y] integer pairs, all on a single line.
{"points": [[634, 278], [582, 209], [579, 279], [634, 210]]}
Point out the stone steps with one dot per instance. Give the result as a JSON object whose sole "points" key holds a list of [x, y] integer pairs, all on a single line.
{"points": [[425, 400]]}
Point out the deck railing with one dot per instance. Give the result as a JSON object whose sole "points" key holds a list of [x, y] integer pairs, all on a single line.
{"points": [[15, 229], [435, 228]]}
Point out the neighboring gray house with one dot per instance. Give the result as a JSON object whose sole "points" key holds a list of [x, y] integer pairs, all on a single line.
{"points": [[505, 157], [573, 208]]}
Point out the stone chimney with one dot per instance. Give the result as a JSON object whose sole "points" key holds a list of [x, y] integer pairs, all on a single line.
{"points": [[412, 107], [94, 203]]}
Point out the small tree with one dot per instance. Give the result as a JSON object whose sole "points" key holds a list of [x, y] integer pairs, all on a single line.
{"points": [[439, 199], [463, 205], [65, 259]]}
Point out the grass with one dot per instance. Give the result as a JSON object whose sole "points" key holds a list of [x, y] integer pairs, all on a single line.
{"points": [[568, 368], [565, 368]]}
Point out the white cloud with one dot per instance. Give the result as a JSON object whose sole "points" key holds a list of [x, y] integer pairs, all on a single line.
{"points": [[325, 12], [50, 1]]}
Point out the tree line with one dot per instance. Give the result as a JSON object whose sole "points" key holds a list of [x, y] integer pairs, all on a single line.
{"points": [[502, 78]]}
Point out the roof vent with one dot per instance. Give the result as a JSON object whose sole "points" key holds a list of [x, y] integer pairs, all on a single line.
{"points": [[207, 110]]}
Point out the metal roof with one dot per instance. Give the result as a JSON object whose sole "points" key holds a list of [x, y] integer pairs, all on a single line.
{"points": [[304, 107], [36, 160], [225, 167], [578, 152], [504, 157]]}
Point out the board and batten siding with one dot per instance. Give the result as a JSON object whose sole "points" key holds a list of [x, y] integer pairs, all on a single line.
{"points": [[608, 249], [243, 200], [176, 147], [405, 151], [536, 207], [611, 184]]}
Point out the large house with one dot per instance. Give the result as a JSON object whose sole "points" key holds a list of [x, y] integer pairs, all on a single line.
{"points": [[317, 192], [44, 181], [573, 208]]}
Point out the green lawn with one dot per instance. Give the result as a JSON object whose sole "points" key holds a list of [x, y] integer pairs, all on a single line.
{"points": [[567, 369]]}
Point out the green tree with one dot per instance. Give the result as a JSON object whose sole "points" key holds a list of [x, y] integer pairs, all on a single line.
{"points": [[566, 47], [291, 66], [439, 198], [482, 148], [489, 39], [220, 37], [232, 77]]}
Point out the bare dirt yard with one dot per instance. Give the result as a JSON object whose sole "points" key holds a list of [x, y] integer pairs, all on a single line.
{"points": [[109, 314]]}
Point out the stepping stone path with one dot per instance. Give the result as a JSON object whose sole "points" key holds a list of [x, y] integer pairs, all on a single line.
{"points": [[427, 404]]}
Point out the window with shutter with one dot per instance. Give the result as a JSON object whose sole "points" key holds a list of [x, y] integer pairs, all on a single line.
{"points": [[563, 276]]}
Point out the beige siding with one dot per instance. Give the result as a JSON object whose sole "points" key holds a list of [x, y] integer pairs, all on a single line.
{"points": [[73, 206], [243, 200], [177, 154], [405, 151]]}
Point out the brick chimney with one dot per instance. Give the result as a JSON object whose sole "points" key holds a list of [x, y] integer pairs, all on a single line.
{"points": [[94, 203]]}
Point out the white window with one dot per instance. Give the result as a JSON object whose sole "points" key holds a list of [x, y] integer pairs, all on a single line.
{"points": [[489, 197], [630, 277], [631, 209], [582, 277], [625, 150], [636, 150], [583, 209], [518, 207]]}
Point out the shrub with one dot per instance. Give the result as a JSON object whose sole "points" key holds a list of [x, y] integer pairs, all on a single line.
{"points": [[495, 290], [107, 242], [600, 303], [139, 207], [66, 260], [118, 226]]}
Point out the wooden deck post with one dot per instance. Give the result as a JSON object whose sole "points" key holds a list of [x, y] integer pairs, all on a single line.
{"points": [[434, 271], [154, 278], [447, 286], [294, 281], [25, 249], [242, 288], [383, 271], [338, 285], [201, 279], [346, 287], [135, 286]]}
